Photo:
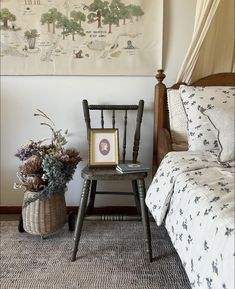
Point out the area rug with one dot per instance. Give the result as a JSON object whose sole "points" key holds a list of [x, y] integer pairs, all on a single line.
{"points": [[111, 255]]}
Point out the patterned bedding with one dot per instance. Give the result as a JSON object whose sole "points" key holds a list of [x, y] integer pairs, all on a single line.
{"points": [[194, 196]]}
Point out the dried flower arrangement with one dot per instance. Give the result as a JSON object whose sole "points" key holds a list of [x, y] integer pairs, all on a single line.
{"points": [[46, 168]]}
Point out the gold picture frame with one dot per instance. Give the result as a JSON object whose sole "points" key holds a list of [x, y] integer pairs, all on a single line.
{"points": [[103, 147]]}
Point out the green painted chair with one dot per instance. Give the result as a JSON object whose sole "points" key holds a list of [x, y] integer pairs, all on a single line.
{"points": [[92, 175]]}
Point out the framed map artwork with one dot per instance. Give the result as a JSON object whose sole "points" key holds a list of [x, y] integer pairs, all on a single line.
{"points": [[81, 37]]}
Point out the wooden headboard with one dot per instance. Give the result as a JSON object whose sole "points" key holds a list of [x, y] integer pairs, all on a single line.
{"points": [[161, 134]]}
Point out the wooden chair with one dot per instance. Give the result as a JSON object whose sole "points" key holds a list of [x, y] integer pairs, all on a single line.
{"points": [[92, 175]]}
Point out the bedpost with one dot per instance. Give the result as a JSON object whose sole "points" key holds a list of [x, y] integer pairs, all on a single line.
{"points": [[160, 118]]}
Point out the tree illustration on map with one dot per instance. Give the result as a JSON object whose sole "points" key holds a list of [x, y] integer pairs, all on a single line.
{"points": [[5, 17], [97, 11], [31, 36], [51, 18]]}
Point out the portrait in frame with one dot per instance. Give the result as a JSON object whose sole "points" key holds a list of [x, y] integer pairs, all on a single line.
{"points": [[103, 147]]}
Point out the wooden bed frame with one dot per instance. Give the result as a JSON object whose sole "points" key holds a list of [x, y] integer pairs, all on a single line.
{"points": [[162, 139]]}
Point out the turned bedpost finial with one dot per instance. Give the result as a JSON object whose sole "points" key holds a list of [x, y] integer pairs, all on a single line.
{"points": [[160, 75]]}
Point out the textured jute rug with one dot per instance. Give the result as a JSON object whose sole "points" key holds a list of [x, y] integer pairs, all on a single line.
{"points": [[111, 255]]}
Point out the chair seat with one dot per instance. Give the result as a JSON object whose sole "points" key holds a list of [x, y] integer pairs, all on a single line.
{"points": [[90, 173]]}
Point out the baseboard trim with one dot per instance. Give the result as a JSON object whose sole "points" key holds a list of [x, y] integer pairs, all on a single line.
{"points": [[70, 209], [10, 210]]}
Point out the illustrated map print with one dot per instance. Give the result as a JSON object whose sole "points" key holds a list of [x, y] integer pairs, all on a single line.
{"points": [[81, 37]]}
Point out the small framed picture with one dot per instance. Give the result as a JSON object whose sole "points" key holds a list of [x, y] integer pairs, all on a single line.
{"points": [[103, 147]]}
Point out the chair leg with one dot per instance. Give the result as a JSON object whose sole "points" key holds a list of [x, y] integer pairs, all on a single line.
{"points": [[136, 195], [145, 217], [80, 216], [90, 206]]}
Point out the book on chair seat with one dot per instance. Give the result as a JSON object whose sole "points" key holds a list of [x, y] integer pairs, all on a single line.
{"points": [[132, 168]]}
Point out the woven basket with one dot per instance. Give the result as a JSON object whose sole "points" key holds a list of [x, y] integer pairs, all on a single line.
{"points": [[43, 217]]}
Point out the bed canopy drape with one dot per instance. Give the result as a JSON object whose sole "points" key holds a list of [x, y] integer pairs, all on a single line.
{"points": [[212, 46]]}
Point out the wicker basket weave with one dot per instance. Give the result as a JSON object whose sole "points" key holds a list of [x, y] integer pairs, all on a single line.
{"points": [[43, 217]]}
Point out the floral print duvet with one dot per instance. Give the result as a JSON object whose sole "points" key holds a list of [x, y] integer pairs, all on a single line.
{"points": [[194, 196]]}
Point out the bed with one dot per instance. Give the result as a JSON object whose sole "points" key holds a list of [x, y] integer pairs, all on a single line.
{"points": [[192, 191]]}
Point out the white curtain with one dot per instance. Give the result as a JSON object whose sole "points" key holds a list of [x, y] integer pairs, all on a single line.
{"points": [[212, 46]]}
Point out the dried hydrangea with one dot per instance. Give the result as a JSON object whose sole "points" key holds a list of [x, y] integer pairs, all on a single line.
{"points": [[46, 168]]}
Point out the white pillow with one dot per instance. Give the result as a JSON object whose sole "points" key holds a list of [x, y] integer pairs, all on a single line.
{"points": [[223, 121], [178, 121], [200, 132]]}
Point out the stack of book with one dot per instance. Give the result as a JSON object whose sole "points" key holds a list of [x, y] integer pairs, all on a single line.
{"points": [[132, 168]]}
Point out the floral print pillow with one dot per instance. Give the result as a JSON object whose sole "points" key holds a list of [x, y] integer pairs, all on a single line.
{"points": [[201, 135]]}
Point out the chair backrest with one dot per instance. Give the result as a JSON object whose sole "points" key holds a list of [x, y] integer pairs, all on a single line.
{"points": [[87, 108]]}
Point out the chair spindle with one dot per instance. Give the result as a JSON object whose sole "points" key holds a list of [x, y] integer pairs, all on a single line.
{"points": [[102, 118], [124, 138], [113, 119]]}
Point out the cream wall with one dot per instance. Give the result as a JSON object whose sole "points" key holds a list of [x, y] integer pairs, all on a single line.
{"points": [[61, 96]]}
